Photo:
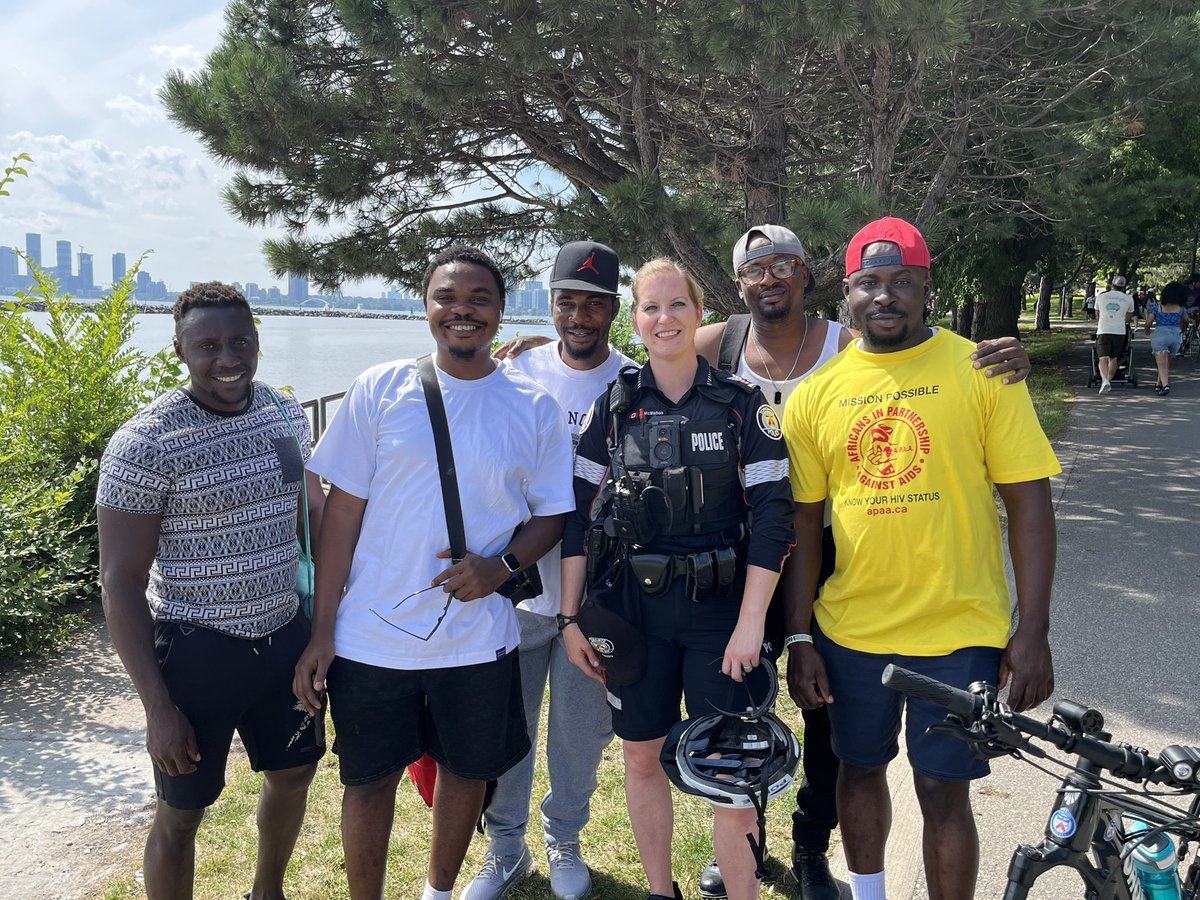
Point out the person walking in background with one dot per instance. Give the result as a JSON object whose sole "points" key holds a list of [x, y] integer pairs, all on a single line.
{"points": [[1165, 325], [419, 651], [1114, 310], [575, 370], [197, 507]]}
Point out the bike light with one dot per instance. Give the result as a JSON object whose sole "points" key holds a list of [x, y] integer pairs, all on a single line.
{"points": [[1182, 762]]}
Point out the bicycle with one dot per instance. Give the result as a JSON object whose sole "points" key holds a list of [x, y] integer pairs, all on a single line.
{"points": [[1190, 336], [1096, 823]]}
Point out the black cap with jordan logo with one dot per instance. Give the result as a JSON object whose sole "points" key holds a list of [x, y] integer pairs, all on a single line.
{"points": [[586, 266]]}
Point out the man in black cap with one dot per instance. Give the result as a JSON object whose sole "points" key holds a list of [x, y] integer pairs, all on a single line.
{"points": [[575, 370]]}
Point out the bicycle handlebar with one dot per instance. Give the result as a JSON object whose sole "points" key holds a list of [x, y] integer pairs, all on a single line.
{"points": [[982, 715], [960, 703]]}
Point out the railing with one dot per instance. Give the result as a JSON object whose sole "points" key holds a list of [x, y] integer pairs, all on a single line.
{"points": [[318, 413]]}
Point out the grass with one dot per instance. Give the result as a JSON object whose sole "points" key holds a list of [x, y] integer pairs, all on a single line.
{"points": [[226, 843], [1048, 383]]}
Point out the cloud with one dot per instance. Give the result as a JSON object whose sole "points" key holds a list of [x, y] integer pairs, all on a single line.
{"points": [[80, 195], [135, 112], [185, 57]]}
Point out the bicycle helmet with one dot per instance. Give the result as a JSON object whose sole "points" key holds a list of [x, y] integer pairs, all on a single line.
{"points": [[733, 759]]}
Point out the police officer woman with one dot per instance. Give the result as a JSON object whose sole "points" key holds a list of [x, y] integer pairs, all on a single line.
{"points": [[697, 455]]}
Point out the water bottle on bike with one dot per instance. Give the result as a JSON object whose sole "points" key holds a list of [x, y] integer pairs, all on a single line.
{"points": [[1155, 862]]}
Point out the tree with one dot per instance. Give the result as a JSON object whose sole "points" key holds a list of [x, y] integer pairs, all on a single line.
{"points": [[376, 133]]}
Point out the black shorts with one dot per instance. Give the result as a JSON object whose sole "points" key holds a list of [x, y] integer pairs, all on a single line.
{"points": [[222, 683], [471, 719], [1110, 345], [685, 645]]}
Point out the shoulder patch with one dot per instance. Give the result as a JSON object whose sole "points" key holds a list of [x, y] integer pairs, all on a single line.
{"points": [[768, 422], [721, 375]]}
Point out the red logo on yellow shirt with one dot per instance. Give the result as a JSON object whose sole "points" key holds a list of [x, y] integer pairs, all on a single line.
{"points": [[890, 445]]}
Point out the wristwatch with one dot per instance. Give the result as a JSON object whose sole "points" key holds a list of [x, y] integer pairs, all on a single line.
{"points": [[510, 562], [564, 621]]}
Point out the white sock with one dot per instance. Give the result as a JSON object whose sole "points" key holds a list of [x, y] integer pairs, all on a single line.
{"points": [[868, 887], [432, 893]]}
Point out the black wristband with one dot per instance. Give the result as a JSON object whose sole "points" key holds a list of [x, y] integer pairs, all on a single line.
{"points": [[564, 621]]}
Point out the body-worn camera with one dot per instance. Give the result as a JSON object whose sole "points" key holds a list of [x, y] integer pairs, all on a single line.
{"points": [[665, 442]]}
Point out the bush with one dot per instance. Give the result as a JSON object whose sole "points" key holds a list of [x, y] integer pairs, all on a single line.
{"points": [[64, 389], [47, 560]]}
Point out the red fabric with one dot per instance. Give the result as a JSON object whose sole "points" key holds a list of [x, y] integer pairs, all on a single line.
{"points": [[423, 773], [913, 250]]}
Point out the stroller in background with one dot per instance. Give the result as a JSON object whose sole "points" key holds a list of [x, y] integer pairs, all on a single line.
{"points": [[1125, 375]]}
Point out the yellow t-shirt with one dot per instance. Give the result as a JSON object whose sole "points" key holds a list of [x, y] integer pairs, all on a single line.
{"points": [[907, 445]]}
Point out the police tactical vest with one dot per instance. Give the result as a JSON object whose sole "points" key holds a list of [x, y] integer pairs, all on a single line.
{"points": [[682, 466]]}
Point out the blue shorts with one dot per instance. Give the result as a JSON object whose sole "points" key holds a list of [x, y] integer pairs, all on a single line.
{"points": [[1165, 340], [865, 715]]}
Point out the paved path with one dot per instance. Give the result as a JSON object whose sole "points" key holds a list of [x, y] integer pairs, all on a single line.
{"points": [[74, 774]]}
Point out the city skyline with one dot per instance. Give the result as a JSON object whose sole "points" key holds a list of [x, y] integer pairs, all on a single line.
{"points": [[109, 171], [75, 272]]}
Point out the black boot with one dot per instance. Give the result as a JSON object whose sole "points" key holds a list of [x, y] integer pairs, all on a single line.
{"points": [[712, 885], [674, 887], [811, 869]]}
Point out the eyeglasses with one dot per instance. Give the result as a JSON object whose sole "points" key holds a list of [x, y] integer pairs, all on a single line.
{"points": [[781, 268], [387, 610]]}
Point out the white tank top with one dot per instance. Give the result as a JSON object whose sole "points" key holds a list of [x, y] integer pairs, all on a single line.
{"points": [[829, 350]]}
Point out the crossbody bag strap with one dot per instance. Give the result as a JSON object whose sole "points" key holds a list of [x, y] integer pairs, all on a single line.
{"points": [[445, 456], [303, 479]]}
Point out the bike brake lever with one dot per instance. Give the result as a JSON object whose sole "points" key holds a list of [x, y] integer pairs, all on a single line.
{"points": [[982, 747]]}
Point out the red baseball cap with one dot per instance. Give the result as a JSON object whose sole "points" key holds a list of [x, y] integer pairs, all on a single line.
{"points": [[913, 250]]}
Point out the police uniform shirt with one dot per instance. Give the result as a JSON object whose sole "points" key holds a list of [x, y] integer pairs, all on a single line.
{"points": [[728, 411]]}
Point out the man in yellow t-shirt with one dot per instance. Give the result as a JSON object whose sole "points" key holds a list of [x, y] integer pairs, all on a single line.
{"points": [[906, 439]]}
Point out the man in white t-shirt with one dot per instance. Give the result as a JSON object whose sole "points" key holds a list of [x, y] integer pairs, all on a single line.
{"points": [[420, 653], [1114, 310], [576, 369]]}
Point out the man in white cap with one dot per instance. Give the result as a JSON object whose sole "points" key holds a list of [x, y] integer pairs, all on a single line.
{"points": [[1114, 311]]}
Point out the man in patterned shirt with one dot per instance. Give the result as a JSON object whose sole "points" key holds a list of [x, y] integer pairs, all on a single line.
{"points": [[197, 506]]}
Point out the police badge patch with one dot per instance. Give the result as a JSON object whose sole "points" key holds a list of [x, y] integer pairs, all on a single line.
{"points": [[768, 423]]}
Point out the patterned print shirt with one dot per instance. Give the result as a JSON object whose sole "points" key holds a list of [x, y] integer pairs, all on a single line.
{"points": [[226, 487]]}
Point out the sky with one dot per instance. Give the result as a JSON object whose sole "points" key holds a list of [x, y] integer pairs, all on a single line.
{"points": [[78, 93]]}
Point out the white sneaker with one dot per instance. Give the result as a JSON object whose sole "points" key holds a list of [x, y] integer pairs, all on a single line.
{"points": [[498, 875], [569, 875], [1106, 387]]}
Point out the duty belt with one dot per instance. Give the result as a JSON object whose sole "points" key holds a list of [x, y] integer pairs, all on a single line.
{"points": [[656, 572]]}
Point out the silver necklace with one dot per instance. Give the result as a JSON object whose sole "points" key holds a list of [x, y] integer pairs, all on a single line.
{"points": [[767, 365]]}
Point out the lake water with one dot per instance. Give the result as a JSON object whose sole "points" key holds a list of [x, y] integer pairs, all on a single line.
{"points": [[319, 355]]}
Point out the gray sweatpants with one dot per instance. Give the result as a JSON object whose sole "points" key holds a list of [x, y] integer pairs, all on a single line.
{"points": [[579, 728]]}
